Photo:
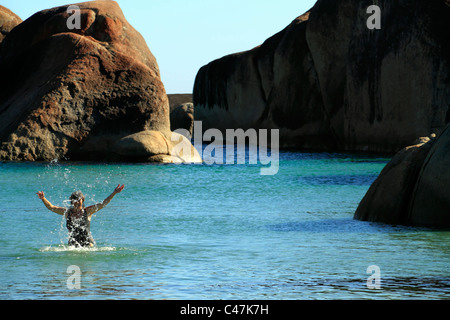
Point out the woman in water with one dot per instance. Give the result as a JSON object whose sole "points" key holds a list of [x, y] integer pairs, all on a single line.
{"points": [[78, 217]]}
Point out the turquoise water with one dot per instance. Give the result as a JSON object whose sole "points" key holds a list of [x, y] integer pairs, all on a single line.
{"points": [[214, 232]]}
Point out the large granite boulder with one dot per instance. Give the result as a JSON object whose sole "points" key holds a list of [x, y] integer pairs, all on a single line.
{"points": [[413, 187], [274, 85], [388, 198], [74, 93], [396, 79], [430, 202], [327, 81], [8, 21]]}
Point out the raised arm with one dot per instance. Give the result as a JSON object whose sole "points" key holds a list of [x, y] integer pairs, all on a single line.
{"points": [[49, 205], [99, 206]]}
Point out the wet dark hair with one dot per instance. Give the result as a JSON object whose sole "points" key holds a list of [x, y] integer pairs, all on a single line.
{"points": [[76, 196]]}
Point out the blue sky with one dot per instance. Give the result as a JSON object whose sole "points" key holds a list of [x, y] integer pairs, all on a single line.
{"points": [[184, 35]]}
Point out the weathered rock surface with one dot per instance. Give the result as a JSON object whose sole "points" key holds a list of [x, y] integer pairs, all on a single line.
{"points": [[328, 82], [8, 21], [73, 94], [413, 187]]}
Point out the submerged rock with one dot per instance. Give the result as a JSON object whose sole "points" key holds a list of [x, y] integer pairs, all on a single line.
{"points": [[74, 93], [413, 187], [330, 83]]}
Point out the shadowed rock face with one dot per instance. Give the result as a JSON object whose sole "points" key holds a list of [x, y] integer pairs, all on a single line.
{"points": [[328, 82], [388, 199], [8, 21], [430, 202], [274, 85], [72, 94], [413, 187]]}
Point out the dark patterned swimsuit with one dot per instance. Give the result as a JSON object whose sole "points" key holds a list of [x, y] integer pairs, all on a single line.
{"points": [[79, 229]]}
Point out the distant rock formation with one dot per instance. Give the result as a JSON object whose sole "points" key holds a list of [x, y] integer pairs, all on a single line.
{"points": [[182, 117], [181, 112], [413, 188], [8, 21], [178, 99], [79, 93], [330, 83]]}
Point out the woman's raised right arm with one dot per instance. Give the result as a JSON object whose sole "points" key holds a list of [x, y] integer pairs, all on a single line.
{"points": [[51, 207]]}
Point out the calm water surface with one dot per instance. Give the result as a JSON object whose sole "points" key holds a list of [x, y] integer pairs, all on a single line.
{"points": [[214, 232]]}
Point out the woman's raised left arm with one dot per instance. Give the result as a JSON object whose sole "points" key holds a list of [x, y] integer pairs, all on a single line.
{"points": [[99, 206]]}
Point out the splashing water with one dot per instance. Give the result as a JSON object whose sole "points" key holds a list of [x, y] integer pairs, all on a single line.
{"points": [[66, 248]]}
